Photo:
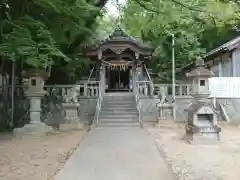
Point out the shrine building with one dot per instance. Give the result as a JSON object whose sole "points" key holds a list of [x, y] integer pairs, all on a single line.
{"points": [[119, 61]]}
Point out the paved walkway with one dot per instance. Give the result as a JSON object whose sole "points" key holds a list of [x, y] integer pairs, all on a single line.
{"points": [[116, 154]]}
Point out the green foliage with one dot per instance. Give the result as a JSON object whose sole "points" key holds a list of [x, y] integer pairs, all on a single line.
{"points": [[197, 25], [40, 33], [31, 41]]}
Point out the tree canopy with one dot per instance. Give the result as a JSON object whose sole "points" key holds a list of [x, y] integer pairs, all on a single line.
{"points": [[43, 33], [198, 26]]}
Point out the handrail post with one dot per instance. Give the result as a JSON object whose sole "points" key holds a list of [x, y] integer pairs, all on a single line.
{"points": [[85, 88], [151, 89], [99, 102], [181, 90]]}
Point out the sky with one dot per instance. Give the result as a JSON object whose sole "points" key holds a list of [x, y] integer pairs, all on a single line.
{"points": [[111, 7]]}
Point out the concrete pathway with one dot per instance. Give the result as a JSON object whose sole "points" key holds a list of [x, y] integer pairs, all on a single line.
{"points": [[116, 154]]}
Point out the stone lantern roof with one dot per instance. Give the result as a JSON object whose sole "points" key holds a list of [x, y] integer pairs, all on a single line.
{"points": [[194, 107], [200, 70]]}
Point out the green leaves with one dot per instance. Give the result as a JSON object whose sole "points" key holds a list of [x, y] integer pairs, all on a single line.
{"points": [[39, 32], [197, 26], [31, 41]]}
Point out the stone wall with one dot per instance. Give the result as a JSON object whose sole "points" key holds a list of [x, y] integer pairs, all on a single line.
{"points": [[149, 111], [231, 107], [87, 109], [182, 104]]}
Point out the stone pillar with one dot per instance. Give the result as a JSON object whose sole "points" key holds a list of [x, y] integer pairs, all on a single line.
{"points": [[35, 106], [34, 93]]}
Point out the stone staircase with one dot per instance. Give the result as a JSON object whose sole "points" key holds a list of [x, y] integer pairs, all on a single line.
{"points": [[118, 110]]}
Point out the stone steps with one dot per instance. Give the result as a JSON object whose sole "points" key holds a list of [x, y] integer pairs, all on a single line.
{"points": [[118, 110], [119, 106], [127, 101], [118, 116], [118, 120], [118, 124]]}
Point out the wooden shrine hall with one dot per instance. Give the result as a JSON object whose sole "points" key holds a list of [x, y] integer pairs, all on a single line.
{"points": [[119, 61]]}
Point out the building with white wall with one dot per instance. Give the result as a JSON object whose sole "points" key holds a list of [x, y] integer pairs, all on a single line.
{"points": [[225, 59]]}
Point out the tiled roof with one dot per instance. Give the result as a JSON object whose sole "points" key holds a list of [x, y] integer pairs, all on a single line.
{"points": [[121, 35], [230, 45], [200, 71]]}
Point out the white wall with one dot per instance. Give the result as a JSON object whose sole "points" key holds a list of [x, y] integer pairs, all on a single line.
{"points": [[236, 62], [227, 67], [215, 69], [223, 66], [224, 87]]}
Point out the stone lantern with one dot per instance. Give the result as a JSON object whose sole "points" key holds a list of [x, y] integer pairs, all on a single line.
{"points": [[34, 93], [200, 83], [201, 124]]}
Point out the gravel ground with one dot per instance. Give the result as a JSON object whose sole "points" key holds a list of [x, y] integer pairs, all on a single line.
{"points": [[199, 162], [36, 158]]}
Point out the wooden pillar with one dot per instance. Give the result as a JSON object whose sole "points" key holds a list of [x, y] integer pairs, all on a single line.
{"points": [[134, 77], [98, 69], [102, 77]]}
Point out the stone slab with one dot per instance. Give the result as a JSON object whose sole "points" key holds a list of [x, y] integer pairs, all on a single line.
{"points": [[116, 154], [197, 139], [70, 127], [37, 129]]}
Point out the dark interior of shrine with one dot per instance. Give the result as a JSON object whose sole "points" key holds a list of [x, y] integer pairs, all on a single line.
{"points": [[118, 79]]}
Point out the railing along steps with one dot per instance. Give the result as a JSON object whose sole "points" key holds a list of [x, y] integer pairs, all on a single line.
{"points": [[118, 110]]}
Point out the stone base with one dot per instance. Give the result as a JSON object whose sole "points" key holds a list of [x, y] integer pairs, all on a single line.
{"points": [[70, 127], [197, 139], [73, 124], [38, 129], [162, 118]]}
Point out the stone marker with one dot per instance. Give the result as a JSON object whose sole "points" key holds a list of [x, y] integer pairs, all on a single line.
{"points": [[164, 107]]}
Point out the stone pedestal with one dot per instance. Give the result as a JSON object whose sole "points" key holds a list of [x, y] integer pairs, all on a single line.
{"points": [[72, 120], [164, 111], [36, 127]]}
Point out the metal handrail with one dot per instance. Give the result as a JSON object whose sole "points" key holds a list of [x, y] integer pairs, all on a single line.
{"points": [[146, 83], [148, 75], [137, 99], [99, 103], [91, 72]]}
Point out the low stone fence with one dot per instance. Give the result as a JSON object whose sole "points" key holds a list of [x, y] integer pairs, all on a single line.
{"points": [[51, 103]]}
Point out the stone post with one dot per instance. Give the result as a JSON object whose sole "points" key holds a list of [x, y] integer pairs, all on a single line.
{"points": [[71, 107], [34, 93], [151, 89], [72, 119]]}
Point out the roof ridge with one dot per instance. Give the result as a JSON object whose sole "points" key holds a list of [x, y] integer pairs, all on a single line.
{"points": [[230, 42]]}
